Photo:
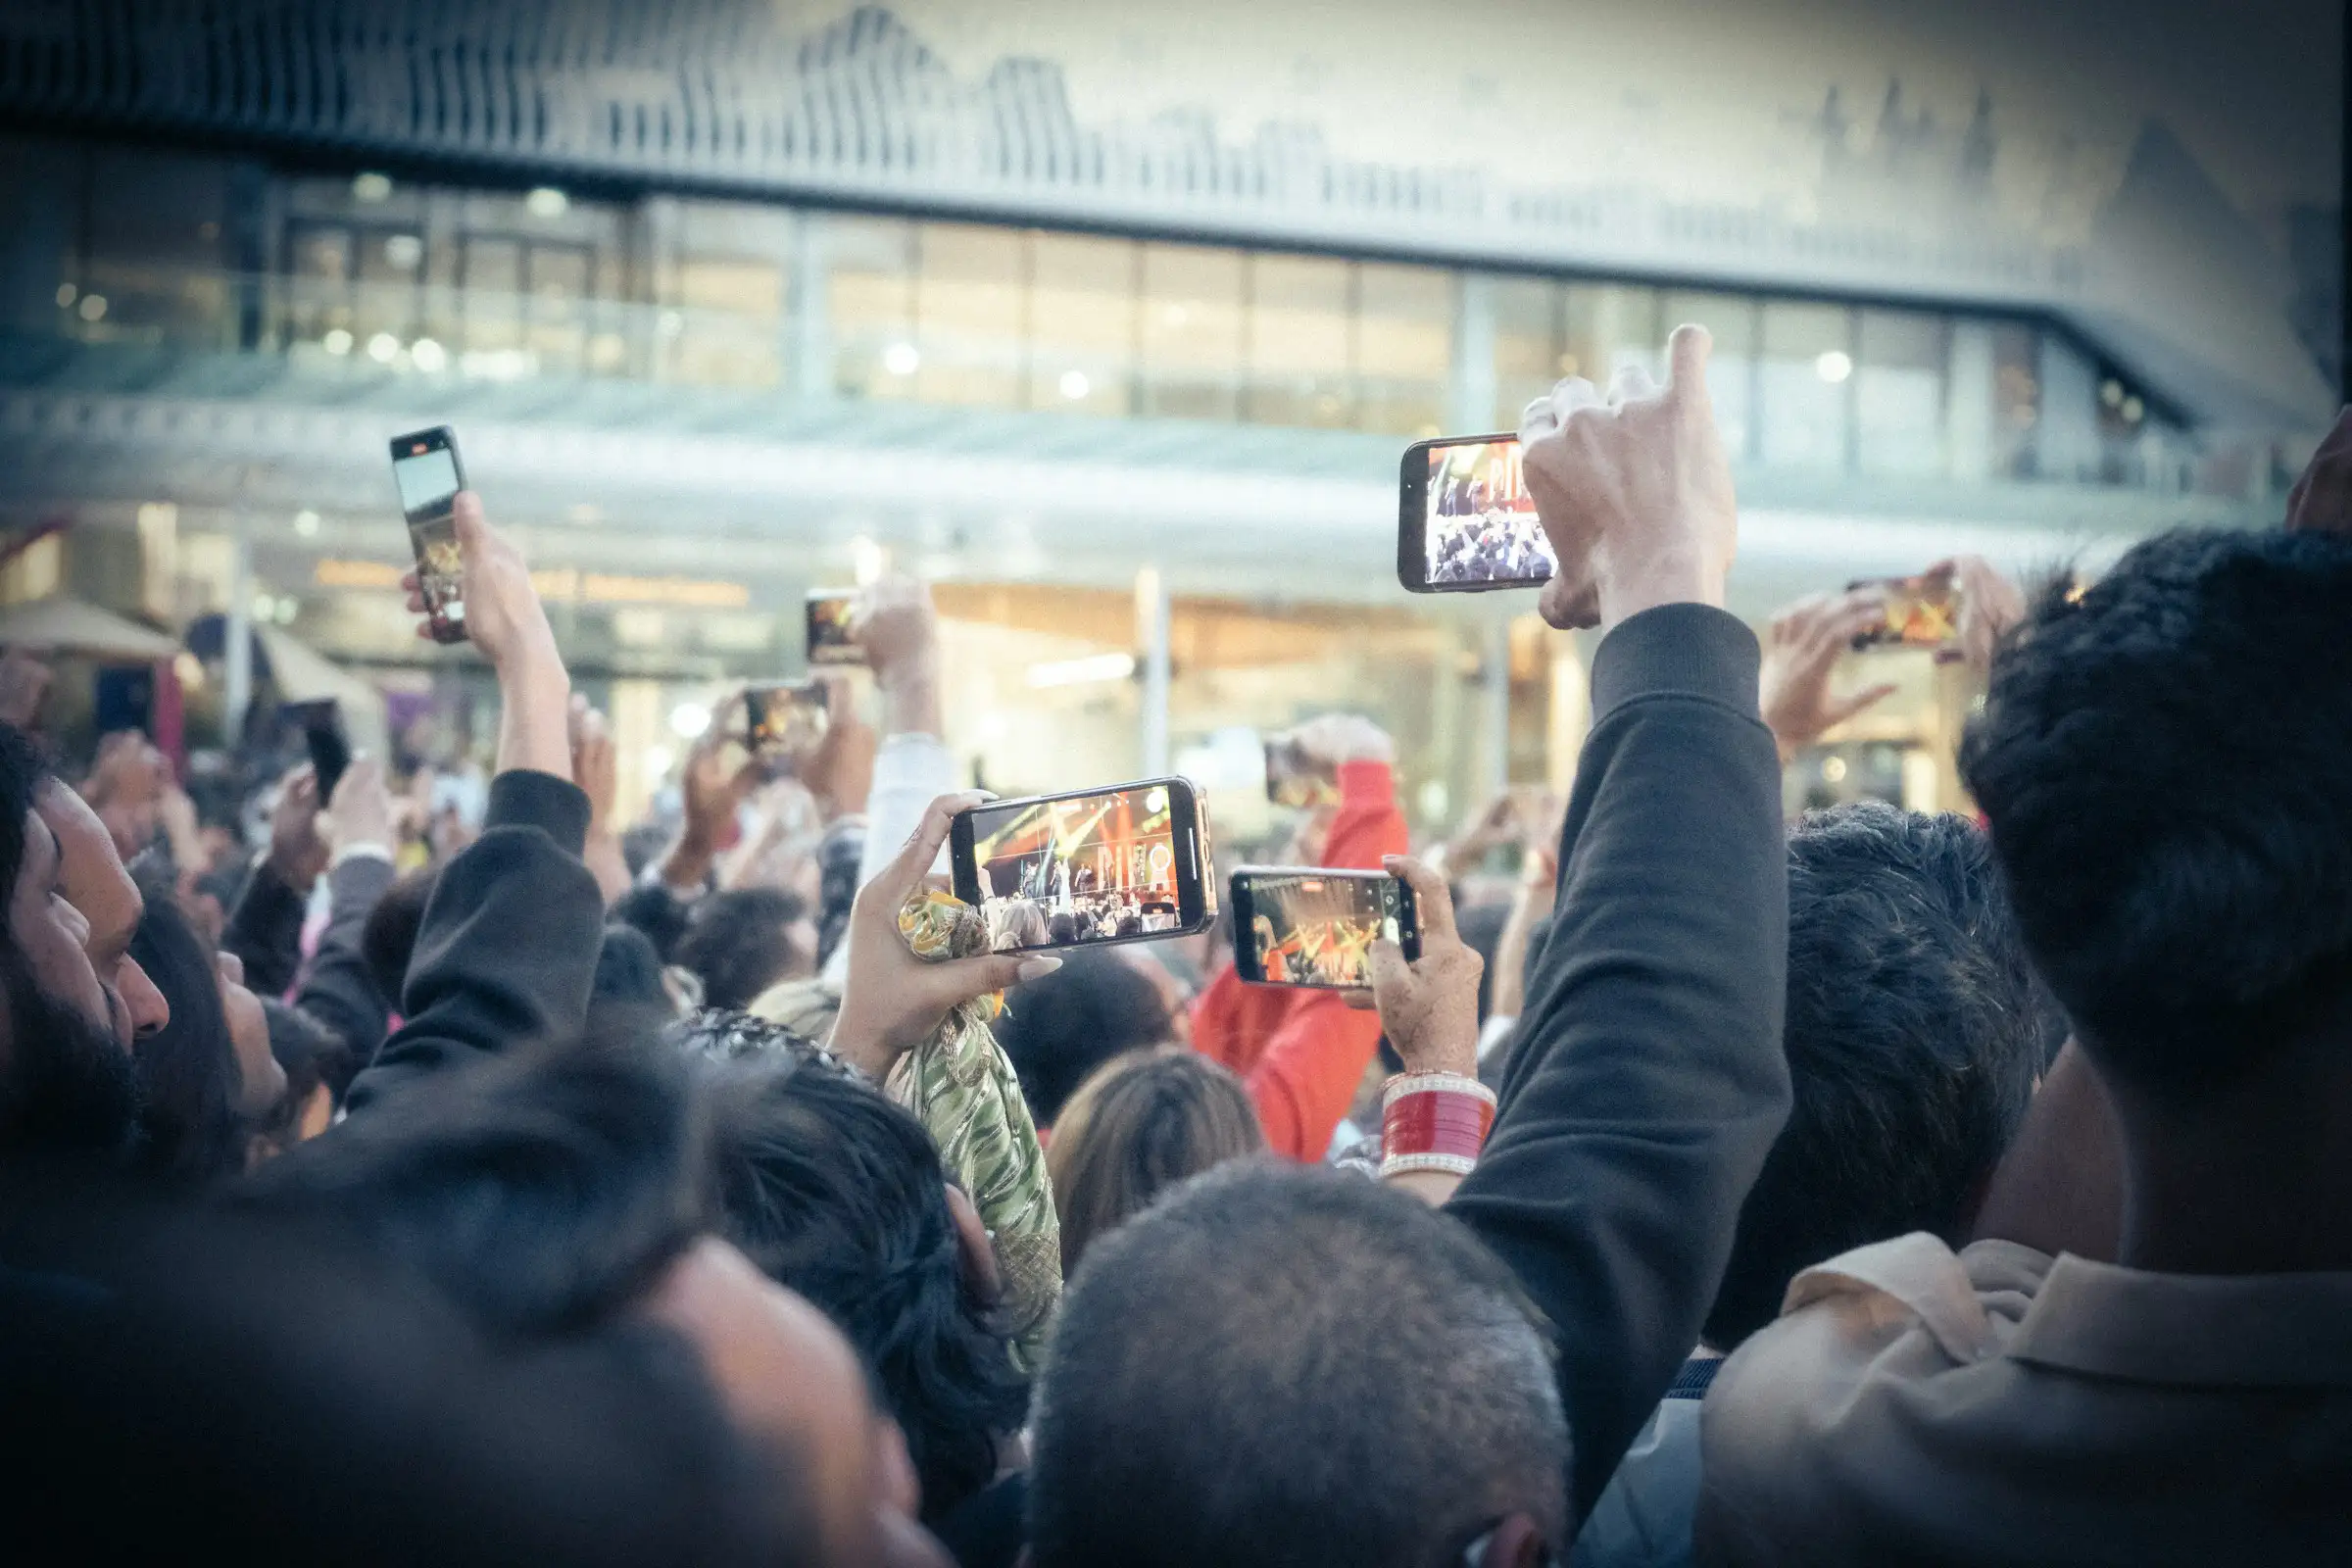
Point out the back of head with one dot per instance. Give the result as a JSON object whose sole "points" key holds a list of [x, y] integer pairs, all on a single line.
{"points": [[187, 1069], [1280, 1365], [1144, 1122], [838, 1193], [319, 1067], [2163, 758], [541, 1191], [1915, 1032], [628, 970], [738, 944], [1060, 1028], [388, 940]]}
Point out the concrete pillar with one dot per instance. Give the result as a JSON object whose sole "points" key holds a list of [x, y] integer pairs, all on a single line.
{"points": [[1151, 641]]}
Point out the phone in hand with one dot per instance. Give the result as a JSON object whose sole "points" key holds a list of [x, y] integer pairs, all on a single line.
{"points": [[1921, 613], [1305, 925], [829, 640], [320, 722], [1127, 863], [1465, 522], [787, 719], [1295, 779], [426, 469]]}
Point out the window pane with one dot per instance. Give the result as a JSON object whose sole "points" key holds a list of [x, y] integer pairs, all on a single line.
{"points": [[969, 316], [869, 300], [1527, 345], [1192, 331], [1082, 304], [1731, 319], [1899, 392], [559, 280], [388, 262], [155, 224], [1403, 348], [2016, 400], [1298, 358], [1606, 325], [319, 269], [491, 286], [1806, 365], [726, 326]]}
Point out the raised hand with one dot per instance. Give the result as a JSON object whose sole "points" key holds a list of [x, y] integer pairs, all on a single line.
{"points": [[297, 852], [1633, 493], [1429, 1007], [1802, 649], [360, 811]]}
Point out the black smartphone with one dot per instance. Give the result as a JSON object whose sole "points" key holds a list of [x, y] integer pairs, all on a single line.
{"points": [[428, 474], [1127, 863], [829, 641], [1294, 778], [786, 720], [322, 724], [1465, 522], [1921, 613], [1300, 925]]}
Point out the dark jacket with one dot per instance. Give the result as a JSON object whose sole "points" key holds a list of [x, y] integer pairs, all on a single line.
{"points": [[507, 951], [265, 931], [1650, 1082]]}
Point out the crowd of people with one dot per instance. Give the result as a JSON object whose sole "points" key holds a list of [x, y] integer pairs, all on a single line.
{"points": [[1880, 1187]]}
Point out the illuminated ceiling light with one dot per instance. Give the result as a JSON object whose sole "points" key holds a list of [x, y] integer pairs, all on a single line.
{"points": [[2133, 411], [2111, 393], [305, 523], [336, 341], [65, 295], [1086, 671], [546, 202], [1073, 384], [384, 348], [1569, 363], [427, 355], [901, 358], [1833, 366], [371, 187], [869, 561], [1834, 769], [404, 252], [687, 721], [93, 305]]}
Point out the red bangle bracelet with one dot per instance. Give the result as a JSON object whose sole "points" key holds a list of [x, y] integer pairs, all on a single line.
{"points": [[1434, 1121]]}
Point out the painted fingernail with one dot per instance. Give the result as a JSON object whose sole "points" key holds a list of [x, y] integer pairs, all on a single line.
{"points": [[1037, 968]]}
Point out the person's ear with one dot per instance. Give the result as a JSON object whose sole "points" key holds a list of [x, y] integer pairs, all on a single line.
{"points": [[975, 1252], [1517, 1543]]}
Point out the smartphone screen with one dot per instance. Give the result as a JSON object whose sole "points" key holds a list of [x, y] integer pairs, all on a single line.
{"points": [[428, 474], [1466, 522], [1921, 613], [322, 724], [786, 720], [1064, 871], [1302, 926], [829, 641]]}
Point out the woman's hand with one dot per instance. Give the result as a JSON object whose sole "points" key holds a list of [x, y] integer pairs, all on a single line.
{"points": [[1429, 1007], [892, 999]]}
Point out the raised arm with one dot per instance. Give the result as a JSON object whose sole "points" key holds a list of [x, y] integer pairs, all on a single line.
{"points": [[265, 929], [339, 989], [507, 951], [1650, 1082]]}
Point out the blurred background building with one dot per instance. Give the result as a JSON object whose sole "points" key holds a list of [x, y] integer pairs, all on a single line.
{"points": [[1115, 324]]}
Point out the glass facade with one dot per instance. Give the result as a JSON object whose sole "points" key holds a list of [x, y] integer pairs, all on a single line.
{"points": [[367, 271]]}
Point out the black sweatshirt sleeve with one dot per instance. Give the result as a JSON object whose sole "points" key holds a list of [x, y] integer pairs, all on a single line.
{"points": [[1650, 1081], [340, 990], [507, 952], [265, 931]]}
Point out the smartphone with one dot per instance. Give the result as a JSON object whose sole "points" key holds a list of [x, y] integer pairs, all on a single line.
{"points": [[1294, 778], [1465, 522], [786, 720], [322, 724], [428, 474], [1296, 925], [1128, 863], [829, 640], [1921, 613]]}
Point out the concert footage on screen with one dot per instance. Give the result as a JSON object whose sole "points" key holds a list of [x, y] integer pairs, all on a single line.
{"points": [[1089, 869], [1482, 525], [1319, 930]]}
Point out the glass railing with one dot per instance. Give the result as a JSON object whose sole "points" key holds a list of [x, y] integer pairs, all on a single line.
{"points": [[373, 330]]}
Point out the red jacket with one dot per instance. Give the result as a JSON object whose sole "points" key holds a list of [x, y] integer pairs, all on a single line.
{"points": [[1302, 1053]]}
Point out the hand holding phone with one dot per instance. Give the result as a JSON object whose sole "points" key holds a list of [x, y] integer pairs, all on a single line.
{"points": [[788, 721], [1315, 926], [1428, 1001], [428, 472], [322, 724], [1922, 612], [1465, 521], [831, 640], [1120, 865]]}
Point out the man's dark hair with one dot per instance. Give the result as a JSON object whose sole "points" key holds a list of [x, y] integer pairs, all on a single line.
{"points": [[66, 1084], [1282, 1365], [1058, 1030], [627, 969], [838, 1193], [540, 1192], [188, 1068], [658, 913], [736, 942], [2166, 762], [388, 939], [1915, 1032]]}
